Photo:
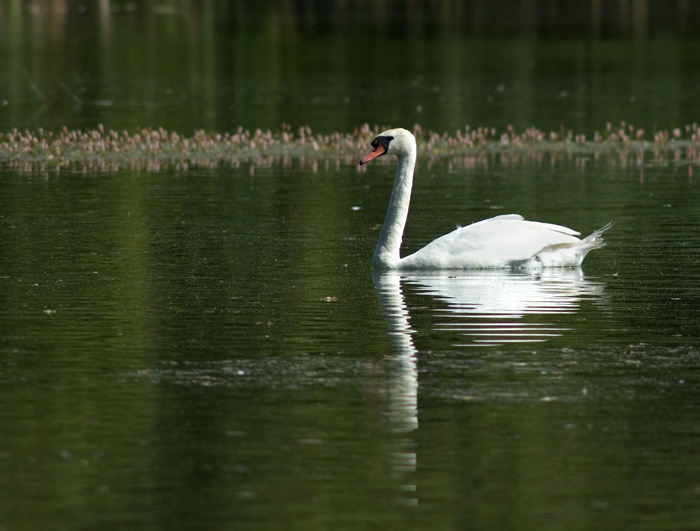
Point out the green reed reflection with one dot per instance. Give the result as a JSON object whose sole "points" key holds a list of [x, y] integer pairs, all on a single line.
{"points": [[220, 65]]}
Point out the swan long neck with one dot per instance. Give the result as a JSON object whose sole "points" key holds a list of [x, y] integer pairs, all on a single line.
{"points": [[387, 254]]}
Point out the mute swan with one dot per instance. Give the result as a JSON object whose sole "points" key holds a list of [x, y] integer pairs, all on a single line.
{"points": [[506, 241]]}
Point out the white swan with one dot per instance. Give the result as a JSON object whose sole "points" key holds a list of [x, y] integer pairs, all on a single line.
{"points": [[506, 241]]}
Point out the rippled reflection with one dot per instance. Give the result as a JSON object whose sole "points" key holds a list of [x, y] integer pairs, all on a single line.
{"points": [[489, 307], [497, 307], [402, 383]]}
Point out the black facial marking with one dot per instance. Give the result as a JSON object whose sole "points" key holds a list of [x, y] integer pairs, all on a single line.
{"points": [[383, 140]]}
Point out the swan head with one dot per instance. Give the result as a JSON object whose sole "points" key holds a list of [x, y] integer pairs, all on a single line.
{"points": [[394, 141]]}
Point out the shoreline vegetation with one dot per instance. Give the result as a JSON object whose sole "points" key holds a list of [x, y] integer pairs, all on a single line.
{"points": [[156, 149]]}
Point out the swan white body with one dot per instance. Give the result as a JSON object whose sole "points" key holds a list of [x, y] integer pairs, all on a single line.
{"points": [[507, 241]]}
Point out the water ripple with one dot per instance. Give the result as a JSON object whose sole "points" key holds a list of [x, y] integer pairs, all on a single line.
{"points": [[497, 307]]}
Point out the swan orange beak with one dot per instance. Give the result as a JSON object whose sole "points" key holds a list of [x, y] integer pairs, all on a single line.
{"points": [[376, 152]]}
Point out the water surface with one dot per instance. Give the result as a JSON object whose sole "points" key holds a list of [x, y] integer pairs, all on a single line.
{"points": [[186, 75], [204, 345], [205, 348]]}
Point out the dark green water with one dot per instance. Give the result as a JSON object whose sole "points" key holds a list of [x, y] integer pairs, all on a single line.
{"points": [[190, 347], [209, 349], [186, 68]]}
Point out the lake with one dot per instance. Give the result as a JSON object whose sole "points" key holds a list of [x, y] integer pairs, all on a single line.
{"points": [[205, 346]]}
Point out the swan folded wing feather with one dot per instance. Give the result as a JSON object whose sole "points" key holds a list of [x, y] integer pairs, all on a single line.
{"points": [[499, 242]]}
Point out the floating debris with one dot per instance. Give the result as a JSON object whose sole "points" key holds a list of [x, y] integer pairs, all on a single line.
{"points": [[151, 149]]}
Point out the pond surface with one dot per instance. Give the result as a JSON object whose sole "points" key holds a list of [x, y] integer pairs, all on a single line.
{"points": [[204, 346], [209, 348], [184, 71]]}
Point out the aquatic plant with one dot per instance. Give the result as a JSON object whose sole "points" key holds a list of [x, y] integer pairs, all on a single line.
{"points": [[152, 148]]}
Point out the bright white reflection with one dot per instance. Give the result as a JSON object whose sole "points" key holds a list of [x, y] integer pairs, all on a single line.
{"points": [[497, 307], [403, 373], [402, 384]]}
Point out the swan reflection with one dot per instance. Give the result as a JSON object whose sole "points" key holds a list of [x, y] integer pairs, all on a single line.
{"points": [[497, 307], [486, 307], [402, 384], [403, 373]]}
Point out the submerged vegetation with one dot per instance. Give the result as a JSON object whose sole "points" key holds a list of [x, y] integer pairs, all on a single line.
{"points": [[151, 148]]}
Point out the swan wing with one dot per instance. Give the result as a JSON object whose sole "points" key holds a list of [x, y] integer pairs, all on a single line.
{"points": [[499, 242]]}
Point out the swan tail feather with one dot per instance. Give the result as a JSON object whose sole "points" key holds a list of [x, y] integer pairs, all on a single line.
{"points": [[568, 255], [595, 239]]}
